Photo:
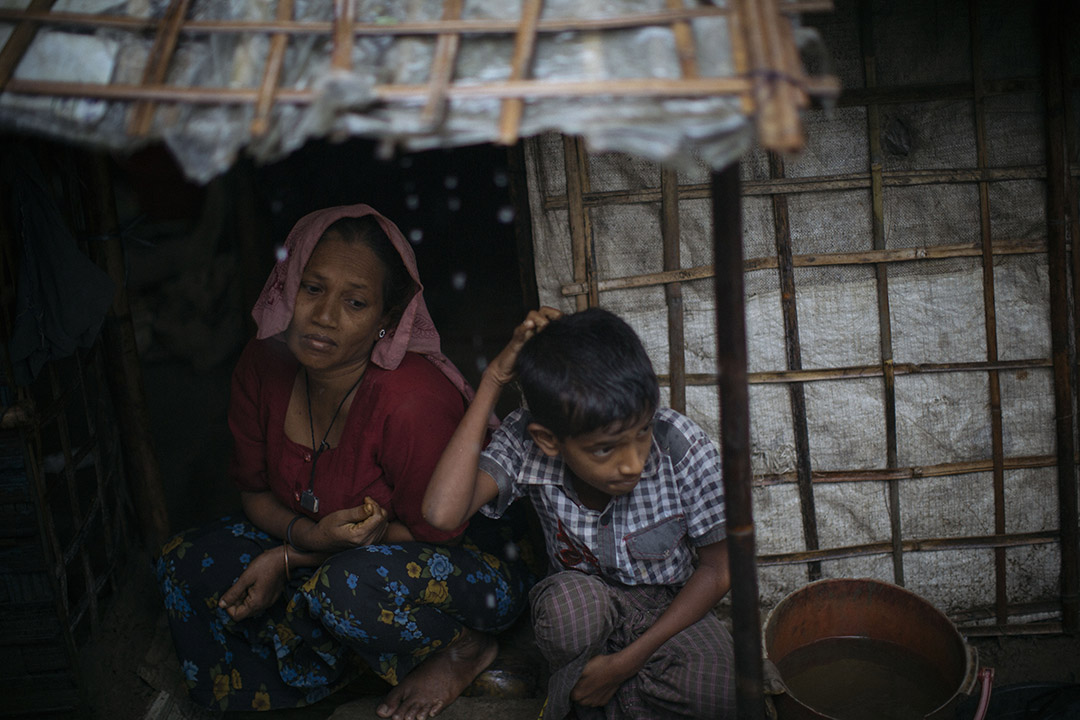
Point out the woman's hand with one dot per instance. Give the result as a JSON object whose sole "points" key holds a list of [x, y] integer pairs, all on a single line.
{"points": [[501, 369], [257, 587], [349, 528]]}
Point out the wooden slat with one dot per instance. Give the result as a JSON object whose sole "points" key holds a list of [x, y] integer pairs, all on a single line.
{"points": [[264, 101], [20, 39], [442, 68], [157, 65], [524, 45]]}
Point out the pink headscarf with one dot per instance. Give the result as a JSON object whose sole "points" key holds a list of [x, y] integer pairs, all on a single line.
{"points": [[415, 332]]}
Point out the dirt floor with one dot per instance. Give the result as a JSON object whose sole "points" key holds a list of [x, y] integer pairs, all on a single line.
{"points": [[129, 672]]}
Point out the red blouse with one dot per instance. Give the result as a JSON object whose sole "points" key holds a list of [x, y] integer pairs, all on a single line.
{"points": [[397, 426]]}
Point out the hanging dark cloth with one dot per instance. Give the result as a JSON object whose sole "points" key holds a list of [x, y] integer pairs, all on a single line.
{"points": [[62, 296]]}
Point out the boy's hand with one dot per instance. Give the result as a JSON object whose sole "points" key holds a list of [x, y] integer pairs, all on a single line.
{"points": [[501, 369], [601, 678]]}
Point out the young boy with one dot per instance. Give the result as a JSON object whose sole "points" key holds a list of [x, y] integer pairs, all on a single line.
{"points": [[627, 494]]}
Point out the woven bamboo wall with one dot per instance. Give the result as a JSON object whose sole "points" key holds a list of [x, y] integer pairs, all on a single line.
{"points": [[908, 311], [65, 516]]}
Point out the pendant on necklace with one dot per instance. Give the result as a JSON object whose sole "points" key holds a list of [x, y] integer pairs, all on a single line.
{"points": [[309, 502]]}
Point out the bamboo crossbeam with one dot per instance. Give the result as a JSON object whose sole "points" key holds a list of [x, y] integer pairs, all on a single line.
{"points": [[264, 102], [976, 614], [316, 27], [442, 68], [910, 473], [1044, 628], [157, 65], [498, 90], [885, 547], [524, 46], [867, 371], [819, 183], [866, 257]]}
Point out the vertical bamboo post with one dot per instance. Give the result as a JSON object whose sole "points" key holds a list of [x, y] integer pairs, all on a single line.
{"points": [[342, 33], [1057, 170], [157, 65], [577, 184], [523, 238], [524, 45], [1001, 601], [793, 349], [873, 119], [735, 443], [125, 374], [442, 68], [275, 59], [669, 232]]}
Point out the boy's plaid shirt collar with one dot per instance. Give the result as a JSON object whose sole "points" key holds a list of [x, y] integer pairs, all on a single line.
{"points": [[644, 537]]}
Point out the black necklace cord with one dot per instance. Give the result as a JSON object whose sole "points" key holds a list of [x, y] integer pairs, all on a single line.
{"points": [[323, 445]]}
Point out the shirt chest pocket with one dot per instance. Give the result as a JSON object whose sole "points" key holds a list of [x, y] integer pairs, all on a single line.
{"points": [[657, 541]]}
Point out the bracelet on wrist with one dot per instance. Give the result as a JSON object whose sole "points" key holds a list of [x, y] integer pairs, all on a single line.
{"points": [[288, 534], [285, 547]]}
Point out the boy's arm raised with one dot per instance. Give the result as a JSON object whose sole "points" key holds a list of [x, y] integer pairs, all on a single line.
{"points": [[458, 488], [603, 674]]}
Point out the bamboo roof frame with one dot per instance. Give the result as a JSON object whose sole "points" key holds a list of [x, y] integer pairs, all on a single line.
{"points": [[771, 86]]}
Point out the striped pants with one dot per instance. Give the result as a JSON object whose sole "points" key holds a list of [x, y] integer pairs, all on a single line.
{"points": [[578, 616]]}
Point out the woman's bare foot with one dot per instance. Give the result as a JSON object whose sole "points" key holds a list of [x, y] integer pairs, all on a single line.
{"points": [[438, 681]]}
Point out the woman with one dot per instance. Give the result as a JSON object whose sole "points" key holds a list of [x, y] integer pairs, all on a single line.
{"points": [[340, 409]]}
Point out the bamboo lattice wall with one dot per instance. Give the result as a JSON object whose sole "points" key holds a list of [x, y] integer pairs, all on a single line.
{"points": [[66, 519], [888, 274]]}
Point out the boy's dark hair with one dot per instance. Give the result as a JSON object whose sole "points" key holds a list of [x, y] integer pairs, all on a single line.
{"points": [[587, 371]]}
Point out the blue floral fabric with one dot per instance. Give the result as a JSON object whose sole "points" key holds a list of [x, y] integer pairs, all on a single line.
{"points": [[384, 607]]}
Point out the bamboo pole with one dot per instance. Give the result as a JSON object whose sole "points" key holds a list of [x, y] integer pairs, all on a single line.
{"points": [[989, 314], [264, 101], [575, 166], [670, 236], [868, 257], [523, 239], [735, 447], [793, 353], [873, 119], [442, 68], [157, 65], [123, 359], [524, 46], [1056, 165], [343, 34]]}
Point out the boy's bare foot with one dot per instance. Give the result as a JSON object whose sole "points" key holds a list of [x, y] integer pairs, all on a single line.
{"points": [[438, 681]]}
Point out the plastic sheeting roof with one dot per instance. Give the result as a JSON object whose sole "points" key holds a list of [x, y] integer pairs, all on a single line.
{"points": [[673, 81]]}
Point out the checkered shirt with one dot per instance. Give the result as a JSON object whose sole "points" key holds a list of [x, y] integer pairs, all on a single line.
{"points": [[641, 538]]}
